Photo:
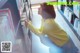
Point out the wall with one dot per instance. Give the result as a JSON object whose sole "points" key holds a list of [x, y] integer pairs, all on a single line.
{"points": [[40, 1]]}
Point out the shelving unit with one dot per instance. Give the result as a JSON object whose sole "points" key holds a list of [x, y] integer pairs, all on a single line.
{"points": [[19, 8], [26, 13], [67, 15]]}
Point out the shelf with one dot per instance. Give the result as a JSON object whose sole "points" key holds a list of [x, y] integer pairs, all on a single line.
{"points": [[70, 25], [70, 30], [77, 14]]}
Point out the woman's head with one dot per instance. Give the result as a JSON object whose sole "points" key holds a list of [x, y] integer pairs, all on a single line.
{"points": [[47, 11]]}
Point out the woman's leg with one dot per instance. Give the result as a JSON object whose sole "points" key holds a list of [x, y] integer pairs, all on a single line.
{"points": [[70, 47], [52, 47]]}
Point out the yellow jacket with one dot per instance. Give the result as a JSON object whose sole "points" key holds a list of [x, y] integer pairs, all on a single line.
{"points": [[51, 28]]}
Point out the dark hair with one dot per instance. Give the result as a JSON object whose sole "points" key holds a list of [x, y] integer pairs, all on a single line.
{"points": [[49, 9]]}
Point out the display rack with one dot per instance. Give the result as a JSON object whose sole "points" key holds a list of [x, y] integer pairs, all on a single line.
{"points": [[26, 14], [71, 16], [18, 9]]}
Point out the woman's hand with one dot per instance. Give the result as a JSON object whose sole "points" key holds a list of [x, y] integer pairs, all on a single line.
{"points": [[40, 11], [26, 22]]}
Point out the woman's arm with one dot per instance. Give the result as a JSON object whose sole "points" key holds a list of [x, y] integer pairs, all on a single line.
{"points": [[33, 29]]}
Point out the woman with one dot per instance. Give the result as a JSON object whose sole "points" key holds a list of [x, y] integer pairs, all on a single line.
{"points": [[49, 27]]}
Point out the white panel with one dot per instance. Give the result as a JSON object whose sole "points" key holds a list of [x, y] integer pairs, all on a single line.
{"points": [[76, 10], [40, 1]]}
